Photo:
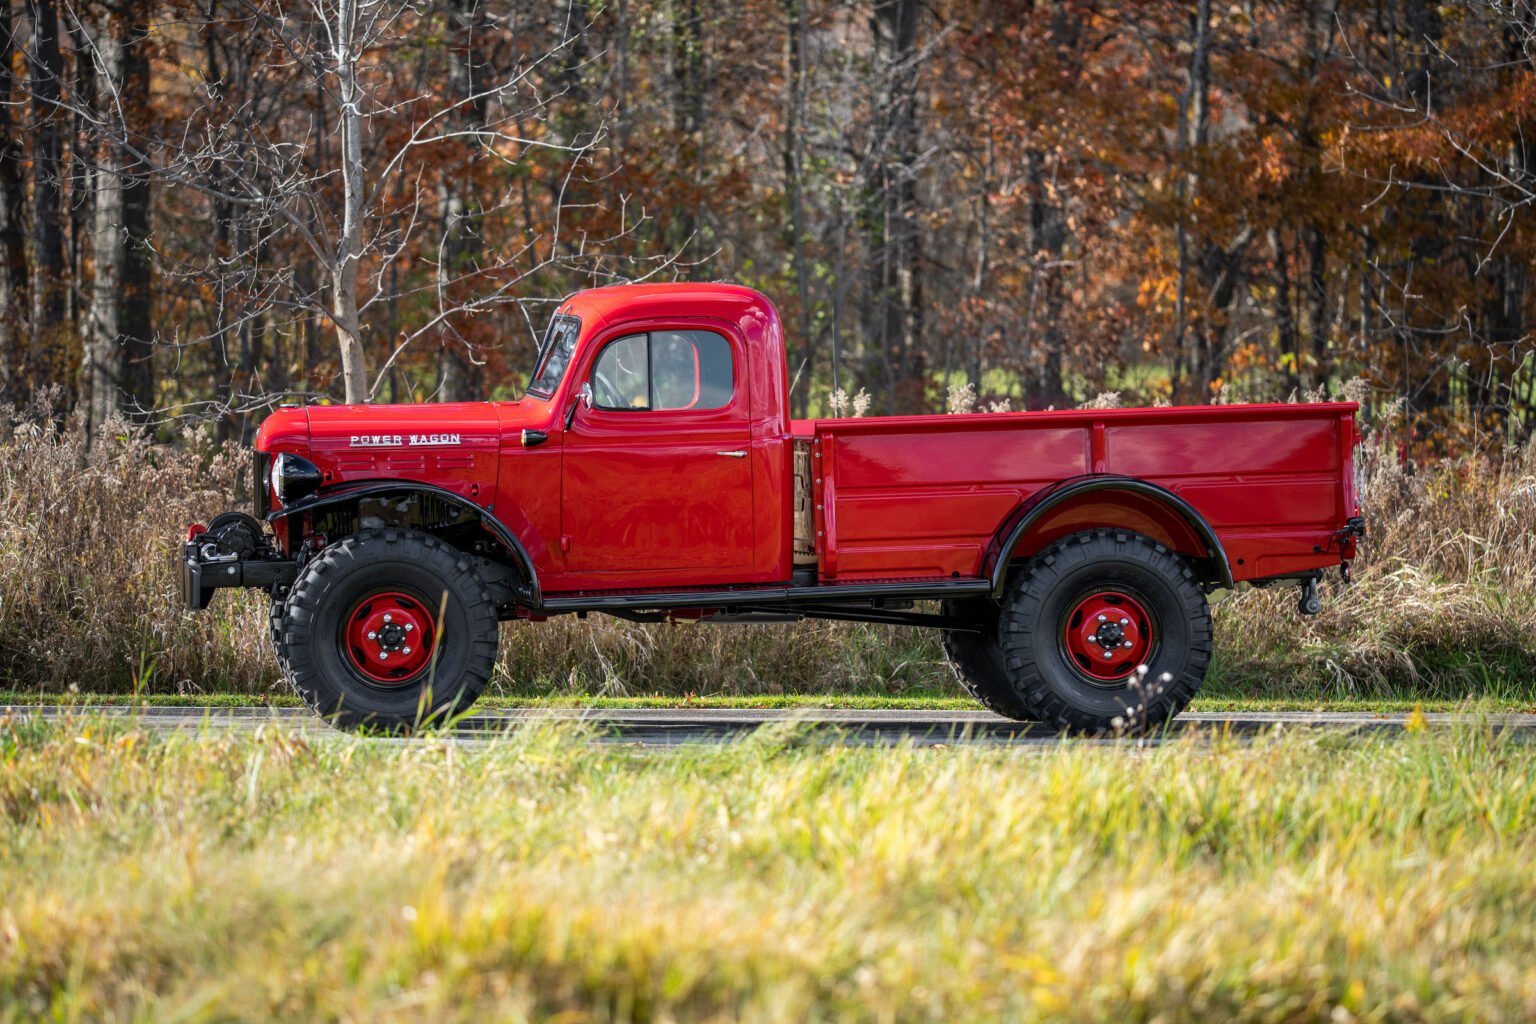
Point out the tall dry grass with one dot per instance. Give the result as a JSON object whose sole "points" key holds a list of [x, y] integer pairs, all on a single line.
{"points": [[87, 587], [1444, 603]]}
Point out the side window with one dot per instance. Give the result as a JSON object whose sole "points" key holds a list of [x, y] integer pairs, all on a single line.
{"points": [[664, 370], [621, 378]]}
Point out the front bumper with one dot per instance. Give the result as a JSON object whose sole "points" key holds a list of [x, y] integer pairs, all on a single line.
{"points": [[203, 571]]}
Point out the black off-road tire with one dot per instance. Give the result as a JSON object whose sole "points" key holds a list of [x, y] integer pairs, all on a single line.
{"points": [[977, 660], [339, 580], [1042, 595], [275, 612]]}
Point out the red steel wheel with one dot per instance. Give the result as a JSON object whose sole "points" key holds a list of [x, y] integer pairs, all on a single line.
{"points": [[1053, 641], [343, 594], [389, 637], [1107, 634]]}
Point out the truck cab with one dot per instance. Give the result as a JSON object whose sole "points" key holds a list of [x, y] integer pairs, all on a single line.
{"points": [[668, 405]]}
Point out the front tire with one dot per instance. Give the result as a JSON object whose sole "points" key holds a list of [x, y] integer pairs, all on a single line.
{"points": [[391, 629], [1105, 631], [276, 609]]}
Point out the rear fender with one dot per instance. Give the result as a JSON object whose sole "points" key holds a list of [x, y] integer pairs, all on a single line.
{"points": [[352, 493], [1100, 501]]}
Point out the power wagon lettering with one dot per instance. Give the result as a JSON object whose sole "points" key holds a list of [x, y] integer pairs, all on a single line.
{"points": [[652, 471], [404, 440]]}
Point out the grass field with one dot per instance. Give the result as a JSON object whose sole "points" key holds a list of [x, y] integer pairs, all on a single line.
{"points": [[267, 877]]}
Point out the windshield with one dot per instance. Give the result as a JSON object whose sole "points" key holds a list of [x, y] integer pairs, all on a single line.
{"points": [[554, 355]]}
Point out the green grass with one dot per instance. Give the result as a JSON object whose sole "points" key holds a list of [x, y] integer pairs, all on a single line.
{"points": [[1514, 703], [264, 876]]}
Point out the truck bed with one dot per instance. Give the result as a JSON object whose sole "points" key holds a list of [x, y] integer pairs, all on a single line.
{"points": [[923, 496]]}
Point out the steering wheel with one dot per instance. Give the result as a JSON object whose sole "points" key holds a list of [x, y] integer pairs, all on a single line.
{"points": [[604, 391]]}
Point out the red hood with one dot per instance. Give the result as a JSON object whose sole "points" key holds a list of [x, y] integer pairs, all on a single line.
{"points": [[337, 428], [453, 445]]}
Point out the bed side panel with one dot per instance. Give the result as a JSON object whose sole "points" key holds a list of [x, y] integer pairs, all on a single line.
{"points": [[922, 496]]}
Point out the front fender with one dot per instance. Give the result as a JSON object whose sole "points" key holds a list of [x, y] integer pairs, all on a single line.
{"points": [[356, 490]]}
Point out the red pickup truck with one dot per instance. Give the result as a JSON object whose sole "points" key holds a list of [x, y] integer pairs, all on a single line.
{"points": [[652, 471]]}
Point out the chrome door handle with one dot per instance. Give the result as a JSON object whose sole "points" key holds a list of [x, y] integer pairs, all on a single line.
{"points": [[733, 455]]}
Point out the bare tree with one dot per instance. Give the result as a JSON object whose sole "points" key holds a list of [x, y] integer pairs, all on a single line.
{"points": [[351, 179]]}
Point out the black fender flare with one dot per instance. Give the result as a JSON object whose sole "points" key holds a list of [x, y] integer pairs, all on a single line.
{"points": [[356, 490], [1034, 508]]}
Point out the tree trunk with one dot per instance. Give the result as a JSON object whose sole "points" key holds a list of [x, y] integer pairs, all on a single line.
{"points": [[136, 318], [13, 244], [79, 166], [349, 335], [461, 219], [102, 369], [1190, 138], [690, 89], [346, 269], [116, 366], [48, 279], [1048, 239], [1317, 303], [794, 184], [1285, 319], [893, 292]]}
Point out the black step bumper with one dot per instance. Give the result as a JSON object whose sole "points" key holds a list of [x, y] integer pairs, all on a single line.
{"points": [[201, 576]]}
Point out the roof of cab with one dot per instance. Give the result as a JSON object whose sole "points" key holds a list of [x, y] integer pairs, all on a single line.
{"points": [[617, 303]]}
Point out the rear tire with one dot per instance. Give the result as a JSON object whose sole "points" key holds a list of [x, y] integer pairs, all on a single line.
{"points": [[976, 659], [1083, 616], [380, 595]]}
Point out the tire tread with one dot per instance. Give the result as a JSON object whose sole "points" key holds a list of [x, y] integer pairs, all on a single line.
{"points": [[977, 662]]}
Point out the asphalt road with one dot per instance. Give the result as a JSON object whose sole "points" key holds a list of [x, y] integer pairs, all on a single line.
{"points": [[671, 727]]}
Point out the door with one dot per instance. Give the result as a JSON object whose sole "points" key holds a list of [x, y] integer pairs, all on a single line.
{"points": [[658, 468]]}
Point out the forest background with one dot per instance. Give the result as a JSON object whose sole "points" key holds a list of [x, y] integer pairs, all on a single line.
{"points": [[210, 207]]}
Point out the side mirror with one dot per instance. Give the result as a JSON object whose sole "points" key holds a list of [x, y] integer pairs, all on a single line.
{"points": [[583, 397]]}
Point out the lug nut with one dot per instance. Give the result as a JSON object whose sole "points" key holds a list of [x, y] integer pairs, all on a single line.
{"points": [[1103, 618], [383, 655], [372, 635], [1125, 622], [388, 617], [1109, 654], [1092, 638], [1126, 644], [409, 627], [405, 650]]}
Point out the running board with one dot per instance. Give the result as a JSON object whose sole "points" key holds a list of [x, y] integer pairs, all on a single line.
{"points": [[784, 596]]}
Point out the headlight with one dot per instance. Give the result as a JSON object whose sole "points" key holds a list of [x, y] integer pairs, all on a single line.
{"points": [[293, 477]]}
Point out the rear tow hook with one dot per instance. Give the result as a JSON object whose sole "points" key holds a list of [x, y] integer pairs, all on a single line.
{"points": [[1310, 603]]}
